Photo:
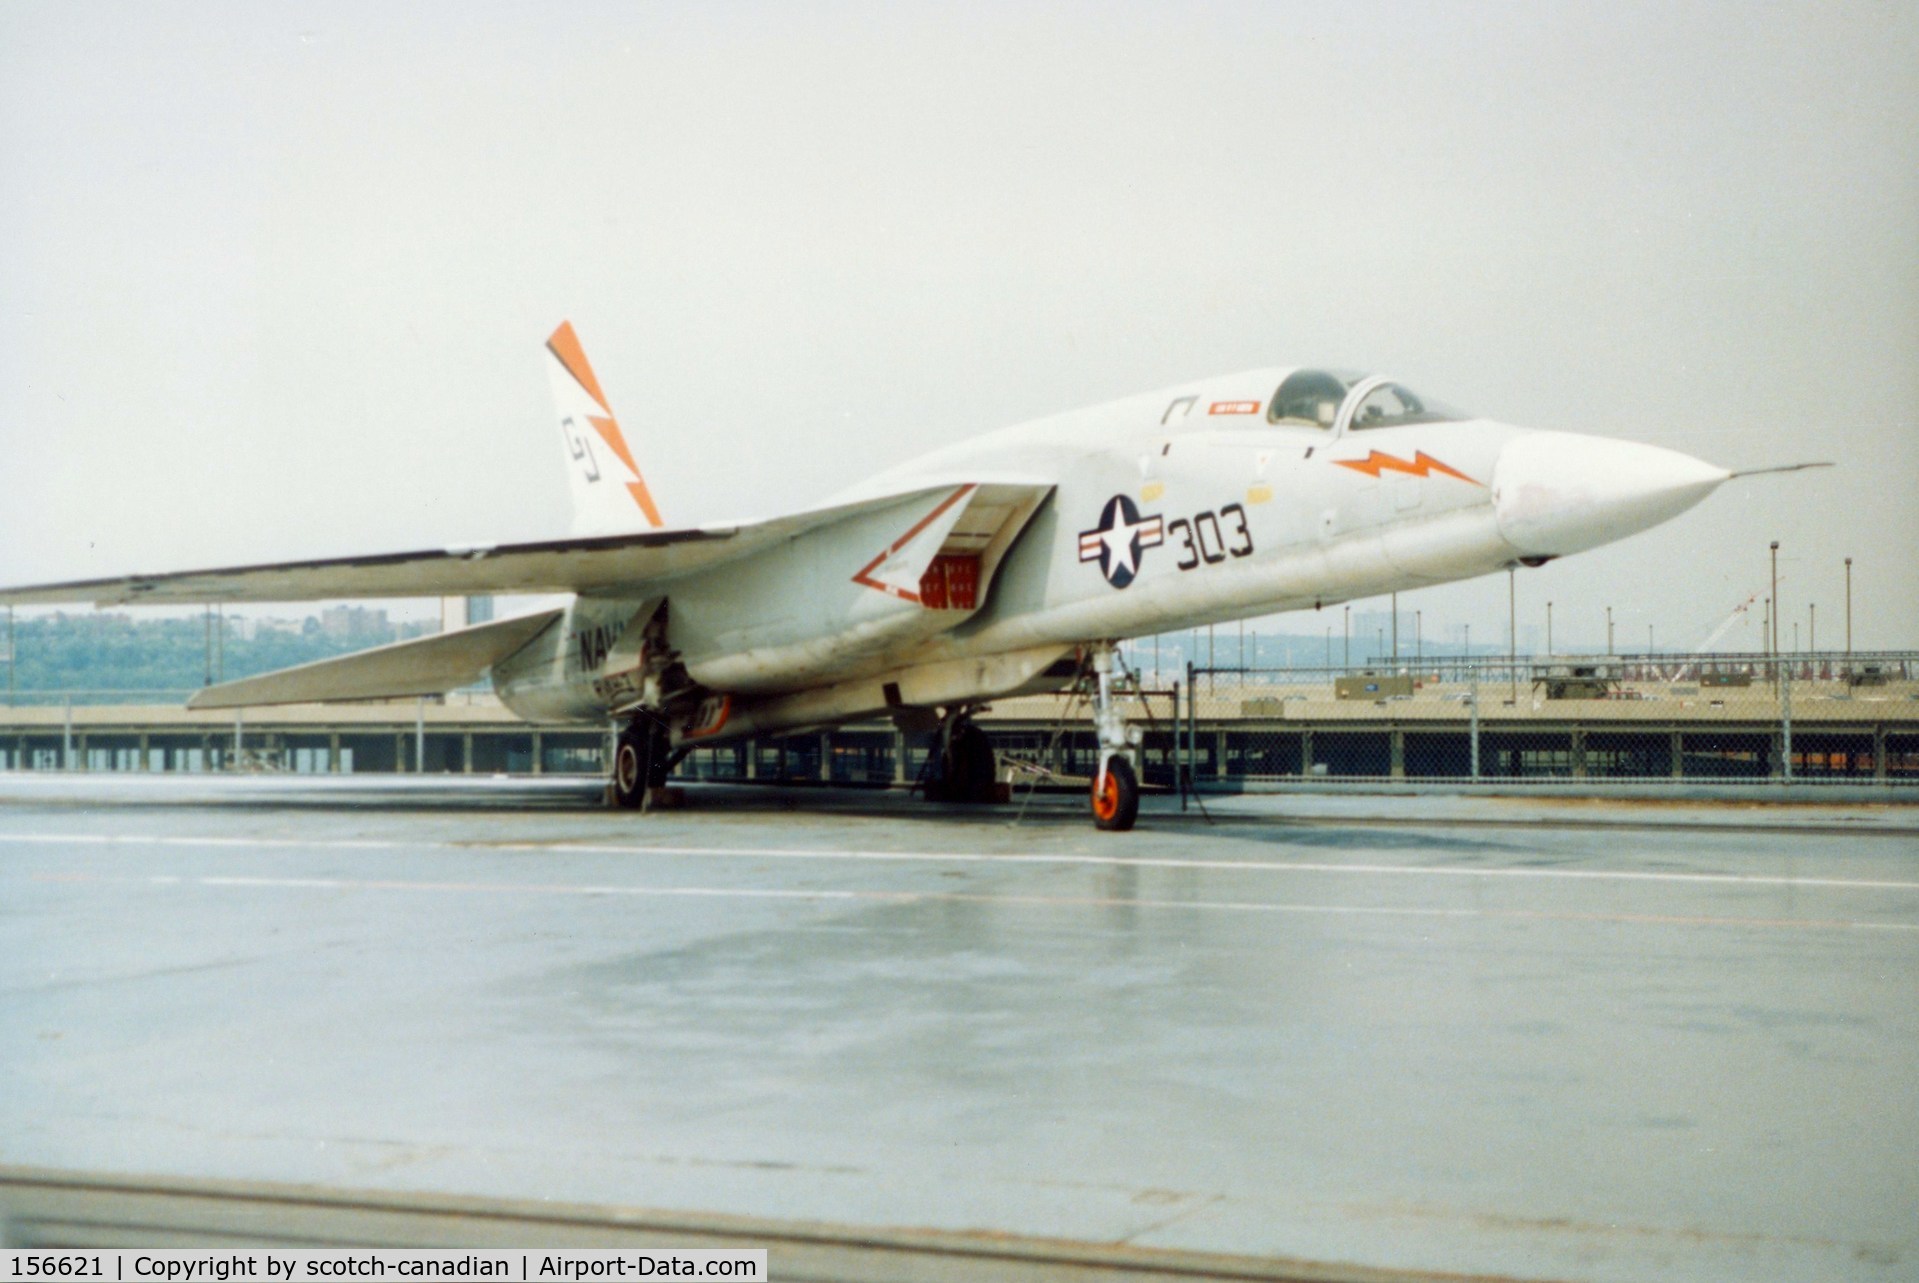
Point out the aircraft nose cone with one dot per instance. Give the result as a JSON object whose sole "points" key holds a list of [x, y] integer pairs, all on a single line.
{"points": [[1556, 493]]}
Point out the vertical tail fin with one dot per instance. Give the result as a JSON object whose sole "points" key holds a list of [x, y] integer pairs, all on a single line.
{"points": [[609, 494]]}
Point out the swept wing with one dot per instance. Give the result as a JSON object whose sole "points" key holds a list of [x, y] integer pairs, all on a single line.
{"points": [[597, 564]]}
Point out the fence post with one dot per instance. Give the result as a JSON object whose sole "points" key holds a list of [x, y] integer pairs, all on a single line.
{"points": [[1179, 770], [1472, 730], [1785, 721], [1192, 727]]}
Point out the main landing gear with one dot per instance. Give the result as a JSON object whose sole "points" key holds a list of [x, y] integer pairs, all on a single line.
{"points": [[963, 765], [642, 759], [1115, 783]]}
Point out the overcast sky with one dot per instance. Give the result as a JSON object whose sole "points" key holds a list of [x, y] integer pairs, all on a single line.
{"points": [[275, 277]]}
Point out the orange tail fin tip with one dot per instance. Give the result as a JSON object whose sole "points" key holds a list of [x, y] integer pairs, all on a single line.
{"points": [[565, 346]]}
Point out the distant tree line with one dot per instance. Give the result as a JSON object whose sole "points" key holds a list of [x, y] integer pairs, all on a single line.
{"points": [[121, 652]]}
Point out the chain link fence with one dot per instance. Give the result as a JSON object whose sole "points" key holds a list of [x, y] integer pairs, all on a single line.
{"points": [[1801, 718]]}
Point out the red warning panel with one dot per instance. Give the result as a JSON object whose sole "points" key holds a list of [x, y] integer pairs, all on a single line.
{"points": [[951, 583]]}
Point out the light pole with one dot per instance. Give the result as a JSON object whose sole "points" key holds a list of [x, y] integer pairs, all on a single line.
{"points": [[1549, 630], [1849, 614], [1329, 645], [1512, 630], [1650, 648], [1775, 597], [1419, 634], [1395, 608], [1812, 627], [1512, 615], [1609, 630], [1346, 644]]}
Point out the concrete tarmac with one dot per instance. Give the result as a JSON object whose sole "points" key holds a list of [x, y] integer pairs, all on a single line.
{"points": [[1584, 1040]]}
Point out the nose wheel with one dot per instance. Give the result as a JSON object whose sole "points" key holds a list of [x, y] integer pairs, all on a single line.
{"points": [[1115, 796]]}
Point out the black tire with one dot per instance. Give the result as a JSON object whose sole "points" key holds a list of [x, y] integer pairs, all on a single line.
{"points": [[1117, 806], [630, 769], [641, 761], [966, 768], [660, 760]]}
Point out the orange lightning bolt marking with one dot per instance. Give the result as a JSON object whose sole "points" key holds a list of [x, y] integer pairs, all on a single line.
{"points": [[565, 345], [1423, 465]]}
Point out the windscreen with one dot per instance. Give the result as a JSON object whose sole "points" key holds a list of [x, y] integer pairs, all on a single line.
{"points": [[1391, 405]]}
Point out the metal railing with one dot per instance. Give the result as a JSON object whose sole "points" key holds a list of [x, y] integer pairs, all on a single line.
{"points": [[145, 729], [150, 696], [1623, 718], [94, 696]]}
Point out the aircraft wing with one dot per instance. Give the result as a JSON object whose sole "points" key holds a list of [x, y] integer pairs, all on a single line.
{"points": [[419, 666], [605, 563]]}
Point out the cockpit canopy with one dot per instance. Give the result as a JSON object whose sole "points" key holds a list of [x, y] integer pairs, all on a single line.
{"points": [[1313, 398]]}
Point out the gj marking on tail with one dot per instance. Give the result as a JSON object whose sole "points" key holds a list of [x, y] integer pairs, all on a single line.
{"points": [[578, 399]]}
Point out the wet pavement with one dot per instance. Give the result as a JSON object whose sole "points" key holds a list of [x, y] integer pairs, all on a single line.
{"points": [[1585, 1040]]}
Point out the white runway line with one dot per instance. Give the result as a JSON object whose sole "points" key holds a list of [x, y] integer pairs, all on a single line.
{"points": [[961, 897], [965, 857]]}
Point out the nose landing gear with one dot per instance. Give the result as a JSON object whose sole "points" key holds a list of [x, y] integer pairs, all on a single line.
{"points": [[1116, 783], [1115, 796]]}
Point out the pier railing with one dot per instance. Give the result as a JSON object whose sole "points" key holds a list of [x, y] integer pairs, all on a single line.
{"points": [[1608, 718], [1624, 719]]}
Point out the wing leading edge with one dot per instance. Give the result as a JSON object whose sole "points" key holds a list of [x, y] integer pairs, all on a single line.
{"points": [[606, 563]]}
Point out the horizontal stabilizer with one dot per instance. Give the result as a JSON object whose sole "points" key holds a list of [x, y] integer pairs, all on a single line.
{"points": [[421, 666]]}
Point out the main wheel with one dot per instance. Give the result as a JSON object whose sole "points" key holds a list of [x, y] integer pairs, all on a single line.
{"points": [[965, 769], [641, 761], [630, 768], [1116, 798]]}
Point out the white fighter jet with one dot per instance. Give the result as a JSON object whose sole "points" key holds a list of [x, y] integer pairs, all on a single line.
{"points": [[1008, 564]]}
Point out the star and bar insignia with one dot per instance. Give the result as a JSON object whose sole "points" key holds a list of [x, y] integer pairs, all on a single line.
{"points": [[1119, 539]]}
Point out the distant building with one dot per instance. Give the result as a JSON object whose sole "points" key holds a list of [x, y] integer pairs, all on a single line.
{"points": [[464, 612], [355, 623]]}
